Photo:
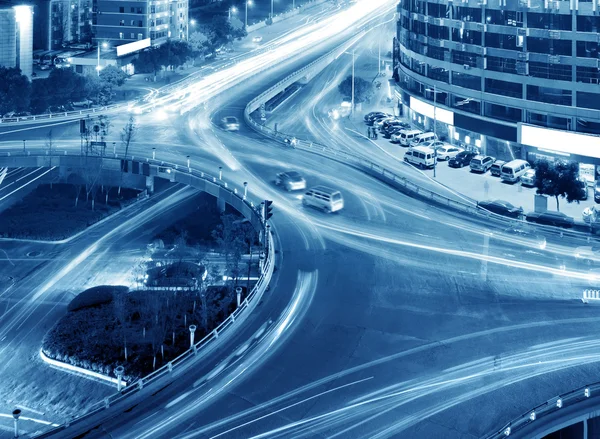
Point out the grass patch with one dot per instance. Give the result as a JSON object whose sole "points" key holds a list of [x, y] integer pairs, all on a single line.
{"points": [[49, 213]]}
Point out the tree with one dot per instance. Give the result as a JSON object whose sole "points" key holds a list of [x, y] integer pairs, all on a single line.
{"points": [[92, 175], [15, 90], [113, 76], [100, 92], [363, 89], [558, 179], [148, 61], [127, 136], [174, 53], [121, 313], [199, 43], [66, 86], [229, 238], [40, 96], [237, 28]]}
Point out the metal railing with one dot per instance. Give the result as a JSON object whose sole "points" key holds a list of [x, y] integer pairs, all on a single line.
{"points": [[551, 406], [256, 292]]}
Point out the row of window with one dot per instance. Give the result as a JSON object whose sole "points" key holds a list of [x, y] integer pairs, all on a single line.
{"points": [[551, 21], [131, 11], [140, 23]]}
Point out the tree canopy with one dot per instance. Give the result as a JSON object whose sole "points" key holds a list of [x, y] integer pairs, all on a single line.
{"points": [[363, 89], [558, 179], [15, 90]]}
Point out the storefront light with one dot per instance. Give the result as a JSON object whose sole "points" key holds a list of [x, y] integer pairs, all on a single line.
{"points": [[478, 143], [467, 140], [456, 136]]}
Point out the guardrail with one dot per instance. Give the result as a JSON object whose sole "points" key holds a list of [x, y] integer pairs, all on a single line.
{"points": [[549, 407], [372, 168], [62, 115], [255, 294]]}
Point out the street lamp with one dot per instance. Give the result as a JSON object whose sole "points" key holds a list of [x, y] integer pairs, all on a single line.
{"points": [[435, 92], [232, 10], [248, 3], [104, 46], [271, 17], [353, 58]]}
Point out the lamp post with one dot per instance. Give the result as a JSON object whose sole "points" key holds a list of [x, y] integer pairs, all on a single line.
{"points": [[232, 10], [353, 58], [104, 46], [248, 2], [271, 17], [435, 92], [191, 25]]}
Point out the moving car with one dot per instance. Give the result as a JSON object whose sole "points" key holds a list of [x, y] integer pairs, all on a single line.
{"points": [[481, 163], [324, 198], [523, 235], [257, 39], [290, 181], [589, 255], [528, 178], [230, 123], [461, 159], [557, 219], [496, 168], [445, 151], [421, 157], [501, 207]]}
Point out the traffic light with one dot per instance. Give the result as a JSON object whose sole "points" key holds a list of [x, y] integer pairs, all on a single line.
{"points": [[268, 209]]}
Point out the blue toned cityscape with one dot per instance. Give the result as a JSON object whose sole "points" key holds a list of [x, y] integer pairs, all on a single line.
{"points": [[350, 219]]}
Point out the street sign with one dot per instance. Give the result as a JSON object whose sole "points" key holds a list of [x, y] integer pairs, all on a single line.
{"points": [[263, 113]]}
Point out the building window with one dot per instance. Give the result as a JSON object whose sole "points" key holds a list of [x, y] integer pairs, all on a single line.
{"points": [[467, 81], [132, 10], [466, 104], [588, 24], [132, 22], [588, 100], [121, 35], [466, 58], [132, 35], [549, 21], [589, 75], [587, 49], [504, 88], [505, 65], [121, 9], [549, 95], [140, 36], [122, 23], [502, 112], [560, 72], [139, 11]]}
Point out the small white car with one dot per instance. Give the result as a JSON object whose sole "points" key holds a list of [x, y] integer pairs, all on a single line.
{"points": [[257, 39], [290, 181], [446, 152], [528, 178], [230, 123]]}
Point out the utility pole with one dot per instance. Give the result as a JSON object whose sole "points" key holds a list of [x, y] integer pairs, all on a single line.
{"points": [[379, 57], [352, 83]]}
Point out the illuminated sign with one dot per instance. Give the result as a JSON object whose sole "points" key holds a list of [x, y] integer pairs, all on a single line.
{"points": [[426, 109], [124, 49], [560, 142]]}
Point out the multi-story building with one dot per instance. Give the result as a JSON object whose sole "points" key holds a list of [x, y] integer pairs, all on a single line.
{"points": [[118, 22], [60, 22], [513, 78], [16, 37]]}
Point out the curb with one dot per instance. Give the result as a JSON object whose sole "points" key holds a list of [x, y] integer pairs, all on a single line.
{"points": [[79, 370]]}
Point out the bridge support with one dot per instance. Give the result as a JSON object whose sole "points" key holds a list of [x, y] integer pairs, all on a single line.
{"points": [[221, 205], [150, 185]]}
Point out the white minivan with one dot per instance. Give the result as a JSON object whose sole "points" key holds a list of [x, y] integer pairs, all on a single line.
{"points": [[513, 170], [423, 138], [404, 137], [324, 198], [421, 156]]}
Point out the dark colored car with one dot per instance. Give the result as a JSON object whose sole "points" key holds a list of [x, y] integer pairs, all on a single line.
{"points": [[496, 168], [374, 119], [597, 191], [389, 127], [584, 190], [556, 219], [461, 159], [373, 114], [501, 207]]}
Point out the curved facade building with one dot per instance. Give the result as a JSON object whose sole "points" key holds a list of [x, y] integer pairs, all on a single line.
{"points": [[502, 75]]}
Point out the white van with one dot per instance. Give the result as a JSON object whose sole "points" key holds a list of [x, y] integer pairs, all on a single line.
{"points": [[511, 171], [321, 197], [404, 137], [421, 156], [423, 138]]}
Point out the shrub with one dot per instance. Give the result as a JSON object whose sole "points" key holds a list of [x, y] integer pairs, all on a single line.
{"points": [[95, 296]]}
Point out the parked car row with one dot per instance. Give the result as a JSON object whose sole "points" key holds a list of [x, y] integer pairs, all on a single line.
{"points": [[320, 197]]}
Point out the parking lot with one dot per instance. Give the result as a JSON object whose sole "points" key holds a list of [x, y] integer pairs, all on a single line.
{"points": [[484, 186]]}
